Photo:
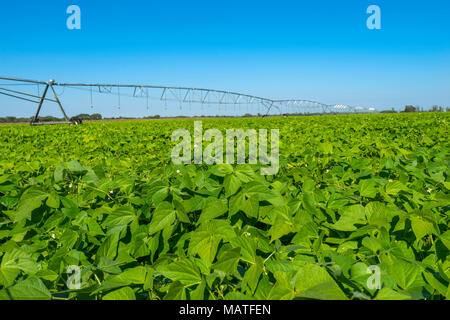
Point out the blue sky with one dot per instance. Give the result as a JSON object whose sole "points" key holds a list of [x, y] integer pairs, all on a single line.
{"points": [[315, 50]]}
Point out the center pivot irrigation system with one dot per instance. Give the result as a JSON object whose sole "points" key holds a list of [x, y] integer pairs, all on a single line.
{"points": [[179, 94]]}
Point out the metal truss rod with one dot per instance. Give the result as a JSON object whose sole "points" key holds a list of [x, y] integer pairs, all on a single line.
{"points": [[59, 103], [26, 94], [185, 97], [17, 97], [23, 80], [165, 88], [183, 94], [40, 103]]}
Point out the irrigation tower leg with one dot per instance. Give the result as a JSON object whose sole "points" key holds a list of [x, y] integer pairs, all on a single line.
{"points": [[40, 103], [268, 109], [60, 105], [35, 120]]}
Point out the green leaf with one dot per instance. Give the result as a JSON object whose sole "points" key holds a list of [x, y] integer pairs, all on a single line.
{"points": [[390, 294], [228, 261], [394, 187], [14, 261], [199, 292], [108, 248], [176, 291], [378, 214], [245, 173], [246, 201], [163, 216], [135, 275], [30, 200], [314, 282], [326, 148], [159, 194], [47, 275], [60, 174], [121, 216], [282, 225], [231, 184], [252, 275], [214, 208], [445, 238], [404, 273], [248, 247], [181, 211], [437, 284], [221, 170], [250, 206], [53, 200], [350, 217], [421, 227], [282, 290], [68, 239], [125, 293], [75, 167], [185, 271], [29, 289], [373, 244], [367, 188], [204, 242]]}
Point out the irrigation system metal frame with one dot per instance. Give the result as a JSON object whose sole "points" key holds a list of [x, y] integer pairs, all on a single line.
{"points": [[21, 95], [179, 94]]}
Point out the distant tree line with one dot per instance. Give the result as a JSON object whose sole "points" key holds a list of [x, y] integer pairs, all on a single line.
{"points": [[410, 108], [14, 120], [83, 116], [97, 116]]}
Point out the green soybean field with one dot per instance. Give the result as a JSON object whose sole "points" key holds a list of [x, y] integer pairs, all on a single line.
{"points": [[359, 209]]}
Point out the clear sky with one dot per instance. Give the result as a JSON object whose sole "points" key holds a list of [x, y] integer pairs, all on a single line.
{"points": [[316, 50]]}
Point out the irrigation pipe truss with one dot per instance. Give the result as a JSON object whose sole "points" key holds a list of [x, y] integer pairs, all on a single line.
{"points": [[166, 93]]}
